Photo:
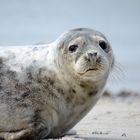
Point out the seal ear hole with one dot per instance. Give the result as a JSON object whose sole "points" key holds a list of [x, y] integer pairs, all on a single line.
{"points": [[103, 45], [73, 48]]}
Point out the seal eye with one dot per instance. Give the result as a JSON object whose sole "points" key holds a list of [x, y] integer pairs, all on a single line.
{"points": [[103, 45], [73, 48]]}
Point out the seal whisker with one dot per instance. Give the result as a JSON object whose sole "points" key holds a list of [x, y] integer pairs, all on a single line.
{"points": [[117, 74]]}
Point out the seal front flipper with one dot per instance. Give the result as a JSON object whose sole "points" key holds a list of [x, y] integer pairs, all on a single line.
{"points": [[21, 135], [19, 120]]}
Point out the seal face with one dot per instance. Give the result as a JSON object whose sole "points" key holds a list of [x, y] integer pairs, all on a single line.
{"points": [[46, 89]]}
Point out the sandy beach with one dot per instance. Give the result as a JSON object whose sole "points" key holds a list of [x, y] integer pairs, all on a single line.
{"points": [[113, 118]]}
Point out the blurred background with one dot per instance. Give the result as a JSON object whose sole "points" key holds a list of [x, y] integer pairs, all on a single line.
{"points": [[24, 22]]}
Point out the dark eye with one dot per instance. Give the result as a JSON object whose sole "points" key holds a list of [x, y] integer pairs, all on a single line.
{"points": [[103, 45], [73, 48]]}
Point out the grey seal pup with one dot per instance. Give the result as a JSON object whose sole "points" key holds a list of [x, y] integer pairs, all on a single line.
{"points": [[46, 89]]}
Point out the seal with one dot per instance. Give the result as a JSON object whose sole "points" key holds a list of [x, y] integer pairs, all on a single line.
{"points": [[46, 89]]}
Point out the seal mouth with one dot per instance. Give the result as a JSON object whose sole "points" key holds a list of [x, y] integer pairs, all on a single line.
{"points": [[93, 69], [88, 70]]}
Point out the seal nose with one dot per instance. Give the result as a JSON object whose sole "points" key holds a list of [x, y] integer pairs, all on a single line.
{"points": [[92, 56]]}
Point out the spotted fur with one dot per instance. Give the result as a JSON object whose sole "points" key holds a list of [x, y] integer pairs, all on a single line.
{"points": [[45, 89]]}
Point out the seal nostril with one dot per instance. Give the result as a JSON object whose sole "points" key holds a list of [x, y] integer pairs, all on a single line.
{"points": [[90, 55], [95, 54]]}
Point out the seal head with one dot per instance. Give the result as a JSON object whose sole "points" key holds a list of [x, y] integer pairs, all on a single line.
{"points": [[86, 54]]}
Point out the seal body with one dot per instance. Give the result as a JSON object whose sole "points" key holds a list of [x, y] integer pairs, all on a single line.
{"points": [[46, 89]]}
